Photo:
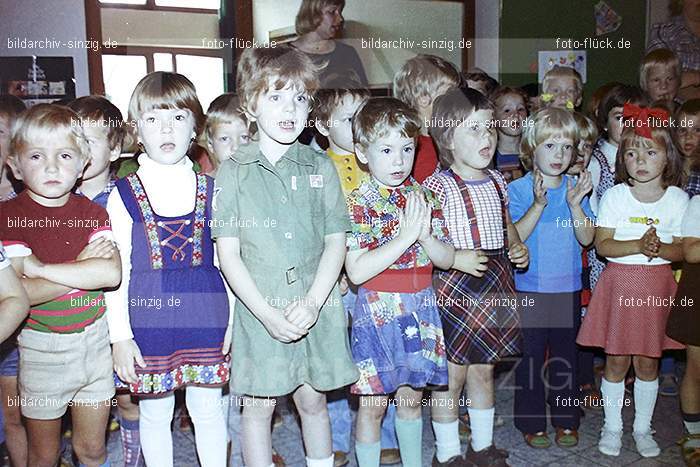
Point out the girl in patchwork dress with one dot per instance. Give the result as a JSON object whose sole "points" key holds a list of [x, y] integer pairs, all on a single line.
{"points": [[169, 319], [397, 235], [476, 298]]}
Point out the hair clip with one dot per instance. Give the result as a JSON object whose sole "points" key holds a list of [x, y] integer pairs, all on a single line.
{"points": [[546, 97]]}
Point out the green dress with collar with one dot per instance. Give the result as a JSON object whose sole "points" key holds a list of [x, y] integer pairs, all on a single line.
{"points": [[281, 215]]}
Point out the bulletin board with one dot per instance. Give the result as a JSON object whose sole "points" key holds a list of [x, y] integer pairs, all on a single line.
{"points": [[37, 79], [528, 27]]}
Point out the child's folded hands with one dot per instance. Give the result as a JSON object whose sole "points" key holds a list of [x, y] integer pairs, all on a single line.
{"points": [[412, 217], [279, 327]]}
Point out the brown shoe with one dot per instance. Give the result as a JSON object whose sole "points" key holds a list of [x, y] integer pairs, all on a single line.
{"points": [[456, 461], [489, 457], [277, 459], [390, 457], [340, 459]]}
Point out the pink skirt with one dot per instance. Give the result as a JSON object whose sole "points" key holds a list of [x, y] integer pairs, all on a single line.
{"points": [[628, 311]]}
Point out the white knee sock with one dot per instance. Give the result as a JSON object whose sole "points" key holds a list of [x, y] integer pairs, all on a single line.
{"points": [[328, 462], [481, 423], [613, 398], [204, 406], [645, 393], [447, 440], [154, 426]]}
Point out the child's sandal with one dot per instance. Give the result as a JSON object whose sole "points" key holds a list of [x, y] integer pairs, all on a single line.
{"points": [[538, 440], [566, 438], [691, 455]]}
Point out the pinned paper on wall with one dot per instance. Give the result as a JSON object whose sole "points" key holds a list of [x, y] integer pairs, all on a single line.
{"points": [[606, 19], [548, 59]]}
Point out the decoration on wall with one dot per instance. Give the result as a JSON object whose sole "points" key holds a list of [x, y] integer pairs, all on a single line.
{"points": [[37, 80], [548, 59], [606, 19]]}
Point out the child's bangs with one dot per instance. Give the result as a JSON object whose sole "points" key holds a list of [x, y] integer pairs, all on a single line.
{"points": [[552, 127], [158, 98], [631, 140], [46, 123]]}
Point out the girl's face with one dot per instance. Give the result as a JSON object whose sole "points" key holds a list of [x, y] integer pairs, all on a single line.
{"points": [[331, 21], [614, 125], [511, 111], [226, 137], [166, 134], [281, 114], [390, 158], [553, 155], [474, 140], [583, 153], [645, 162], [564, 90], [688, 135], [662, 82]]}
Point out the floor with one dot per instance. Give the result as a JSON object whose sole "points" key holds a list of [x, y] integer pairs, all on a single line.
{"points": [[667, 423]]}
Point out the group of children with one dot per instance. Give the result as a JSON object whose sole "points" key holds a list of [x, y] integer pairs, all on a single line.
{"points": [[441, 233]]}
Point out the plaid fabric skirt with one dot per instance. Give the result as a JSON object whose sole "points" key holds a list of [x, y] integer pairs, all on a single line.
{"points": [[396, 340], [479, 314]]}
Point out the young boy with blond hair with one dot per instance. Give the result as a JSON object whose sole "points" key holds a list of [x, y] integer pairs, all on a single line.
{"points": [[660, 75], [562, 86]]}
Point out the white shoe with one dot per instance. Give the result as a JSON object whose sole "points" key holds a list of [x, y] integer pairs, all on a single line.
{"points": [[610, 442], [646, 446]]}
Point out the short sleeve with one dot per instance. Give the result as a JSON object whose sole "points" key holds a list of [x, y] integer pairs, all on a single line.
{"points": [[360, 235], [518, 201], [4, 260], [224, 207], [608, 214], [434, 184], [691, 219], [103, 227], [334, 204]]}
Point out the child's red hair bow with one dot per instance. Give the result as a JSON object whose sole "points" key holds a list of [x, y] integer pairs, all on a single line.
{"points": [[644, 118]]}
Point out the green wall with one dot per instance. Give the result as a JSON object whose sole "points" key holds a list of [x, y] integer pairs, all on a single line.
{"points": [[528, 26]]}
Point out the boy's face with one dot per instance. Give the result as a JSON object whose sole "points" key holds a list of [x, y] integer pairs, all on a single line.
{"points": [[614, 126], [101, 155], [281, 114], [689, 134], [564, 90], [226, 137], [166, 134], [49, 168], [553, 155], [583, 153], [390, 159], [339, 131], [510, 113], [662, 82], [474, 140]]}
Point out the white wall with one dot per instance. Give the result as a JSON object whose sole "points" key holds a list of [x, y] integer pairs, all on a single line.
{"points": [[62, 20]]}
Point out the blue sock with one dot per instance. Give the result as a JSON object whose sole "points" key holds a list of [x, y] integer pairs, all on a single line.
{"points": [[368, 454], [410, 435]]}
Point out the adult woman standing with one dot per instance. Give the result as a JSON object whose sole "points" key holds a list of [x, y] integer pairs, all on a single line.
{"points": [[318, 22]]}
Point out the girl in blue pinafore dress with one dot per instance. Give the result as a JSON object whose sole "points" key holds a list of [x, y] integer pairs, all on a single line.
{"points": [[169, 320]]}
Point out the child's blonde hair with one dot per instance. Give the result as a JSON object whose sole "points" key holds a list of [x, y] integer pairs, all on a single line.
{"points": [[562, 72], [657, 57], [543, 125], [450, 111], [380, 115], [587, 129], [44, 120], [263, 68], [422, 76], [310, 14], [164, 90]]}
